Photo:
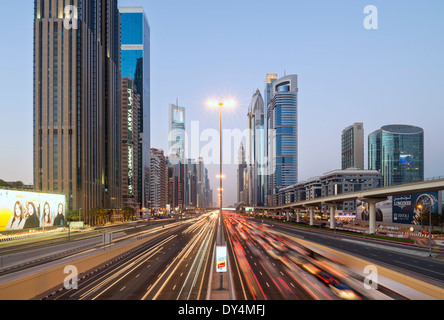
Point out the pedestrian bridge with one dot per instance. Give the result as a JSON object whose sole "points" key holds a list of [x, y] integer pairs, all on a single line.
{"points": [[371, 196]]}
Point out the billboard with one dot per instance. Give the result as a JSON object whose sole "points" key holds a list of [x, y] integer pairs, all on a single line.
{"points": [[407, 208], [27, 210], [221, 259]]}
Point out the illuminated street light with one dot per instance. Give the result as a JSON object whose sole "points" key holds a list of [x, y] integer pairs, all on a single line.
{"points": [[221, 104]]}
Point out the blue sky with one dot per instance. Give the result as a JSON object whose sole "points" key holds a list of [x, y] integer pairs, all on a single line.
{"points": [[204, 48]]}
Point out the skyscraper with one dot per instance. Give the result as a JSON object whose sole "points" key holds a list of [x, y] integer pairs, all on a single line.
{"points": [[397, 151], [135, 48], [242, 165], [158, 180], [269, 81], [282, 123], [176, 133], [352, 141], [130, 142], [256, 150], [77, 102]]}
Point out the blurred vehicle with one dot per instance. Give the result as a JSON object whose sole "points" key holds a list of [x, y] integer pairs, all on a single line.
{"points": [[343, 291], [303, 263], [326, 278]]}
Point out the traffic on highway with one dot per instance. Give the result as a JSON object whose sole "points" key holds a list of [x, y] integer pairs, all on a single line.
{"points": [[272, 266]]}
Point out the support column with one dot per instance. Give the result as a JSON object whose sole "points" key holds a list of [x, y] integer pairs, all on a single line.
{"points": [[372, 217], [372, 213], [311, 210], [332, 208]]}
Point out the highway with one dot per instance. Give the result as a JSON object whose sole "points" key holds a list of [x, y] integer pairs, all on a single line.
{"points": [[273, 266], [267, 260], [173, 266], [404, 258]]}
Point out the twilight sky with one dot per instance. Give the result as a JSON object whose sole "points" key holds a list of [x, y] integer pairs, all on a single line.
{"points": [[203, 49]]}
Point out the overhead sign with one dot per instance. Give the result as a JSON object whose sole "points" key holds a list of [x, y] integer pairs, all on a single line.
{"points": [[221, 259]]}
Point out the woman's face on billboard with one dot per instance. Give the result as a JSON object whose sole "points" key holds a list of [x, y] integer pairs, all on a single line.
{"points": [[18, 212], [46, 209], [30, 209]]}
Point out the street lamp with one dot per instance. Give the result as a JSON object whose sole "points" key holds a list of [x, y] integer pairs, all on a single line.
{"points": [[221, 105], [420, 208]]}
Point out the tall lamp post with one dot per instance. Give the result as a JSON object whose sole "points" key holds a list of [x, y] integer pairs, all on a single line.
{"points": [[420, 207], [221, 105]]}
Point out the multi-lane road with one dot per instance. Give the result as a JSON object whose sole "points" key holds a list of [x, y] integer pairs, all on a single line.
{"points": [[267, 261], [274, 267], [174, 266]]}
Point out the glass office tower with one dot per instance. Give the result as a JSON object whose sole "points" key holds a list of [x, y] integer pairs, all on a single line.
{"points": [[256, 150], [270, 79], [397, 151], [135, 63], [77, 102], [176, 133], [282, 123]]}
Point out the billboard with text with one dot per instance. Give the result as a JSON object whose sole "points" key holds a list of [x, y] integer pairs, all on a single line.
{"points": [[28, 210], [408, 208]]}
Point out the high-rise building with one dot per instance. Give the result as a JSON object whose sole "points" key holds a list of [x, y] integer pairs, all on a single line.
{"points": [[77, 102], [256, 150], [397, 151], [269, 81], [135, 52], [198, 193], [130, 143], [176, 133], [282, 136], [242, 165], [352, 141], [158, 180], [171, 185]]}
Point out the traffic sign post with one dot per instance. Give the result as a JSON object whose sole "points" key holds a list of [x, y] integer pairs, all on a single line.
{"points": [[221, 262]]}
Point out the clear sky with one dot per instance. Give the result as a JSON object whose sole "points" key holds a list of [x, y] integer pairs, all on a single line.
{"points": [[203, 49]]}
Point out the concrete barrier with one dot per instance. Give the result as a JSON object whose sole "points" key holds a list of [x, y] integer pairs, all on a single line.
{"points": [[427, 288], [42, 281]]}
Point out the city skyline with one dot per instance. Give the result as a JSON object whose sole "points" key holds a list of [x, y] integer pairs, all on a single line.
{"points": [[346, 74]]}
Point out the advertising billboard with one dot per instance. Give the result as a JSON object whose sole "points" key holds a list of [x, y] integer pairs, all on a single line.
{"points": [[408, 208], [28, 210], [221, 259]]}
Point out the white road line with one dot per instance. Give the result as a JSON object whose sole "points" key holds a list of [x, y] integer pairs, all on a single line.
{"points": [[412, 265]]}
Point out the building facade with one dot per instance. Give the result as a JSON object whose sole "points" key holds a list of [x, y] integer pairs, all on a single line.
{"points": [[397, 151], [158, 181], [256, 150], [130, 143], [282, 123], [241, 185], [135, 61], [77, 102], [331, 183], [176, 132], [352, 142]]}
